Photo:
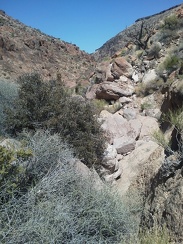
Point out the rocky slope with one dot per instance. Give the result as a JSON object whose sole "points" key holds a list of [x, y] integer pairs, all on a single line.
{"points": [[122, 39], [138, 78], [25, 50], [138, 81]]}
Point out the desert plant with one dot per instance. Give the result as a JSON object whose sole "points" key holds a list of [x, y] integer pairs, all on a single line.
{"points": [[51, 106], [175, 118], [100, 104], [35, 104], [169, 29], [63, 209], [170, 22], [8, 93], [12, 172], [141, 34], [2, 21], [143, 89], [146, 105], [153, 52], [170, 64], [47, 150], [154, 235], [166, 36], [79, 126], [22, 168], [161, 140]]}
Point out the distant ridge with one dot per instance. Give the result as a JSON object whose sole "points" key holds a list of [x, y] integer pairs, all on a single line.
{"points": [[149, 16], [119, 41]]}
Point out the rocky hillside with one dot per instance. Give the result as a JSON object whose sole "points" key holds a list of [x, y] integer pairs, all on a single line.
{"points": [[139, 86], [25, 50], [122, 39]]}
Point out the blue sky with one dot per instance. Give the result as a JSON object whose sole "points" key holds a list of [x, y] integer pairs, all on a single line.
{"points": [[86, 23]]}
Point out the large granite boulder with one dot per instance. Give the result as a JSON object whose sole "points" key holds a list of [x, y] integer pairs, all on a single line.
{"points": [[121, 67], [122, 133], [149, 126], [116, 126], [139, 166], [113, 91]]}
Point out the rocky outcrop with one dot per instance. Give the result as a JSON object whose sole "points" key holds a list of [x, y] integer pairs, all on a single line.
{"points": [[110, 170], [49, 56], [164, 201], [121, 67], [139, 166], [112, 91], [117, 127], [122, 39]]}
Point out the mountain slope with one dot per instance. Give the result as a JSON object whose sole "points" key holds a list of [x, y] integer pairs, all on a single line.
{"points": [[24, 50], [122, 39]]}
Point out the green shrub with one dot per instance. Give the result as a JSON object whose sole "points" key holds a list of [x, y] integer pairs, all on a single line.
{"points": [[166, 36], [160, 139], [170, 28], [12, 173], [175, 118], [2, 21], [145, 106], [154, 235], [154, 50], [50, 106], [100, 104], [170, 64], [8, 93], [78, 125], [147, 89], [170, 22]]}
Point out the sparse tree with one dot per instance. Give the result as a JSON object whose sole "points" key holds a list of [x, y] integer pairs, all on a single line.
{"points": [[141, 34]]}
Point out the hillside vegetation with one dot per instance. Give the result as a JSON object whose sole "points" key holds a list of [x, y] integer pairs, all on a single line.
{"points": [[92, 152]]}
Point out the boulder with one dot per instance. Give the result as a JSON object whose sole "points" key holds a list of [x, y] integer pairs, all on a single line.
{"points": [[154, 112], [112, 91], [124, 100], [108, 75], [103, 72], [139, 166], [116, 126], [149, 125], [114, 107], [135, 77], [136, 126], [91, 92], [113, 177], [129, 113], [121, 67], [110, 153], [124, 145], [123, 78], [86, 173], [110, 170]]}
